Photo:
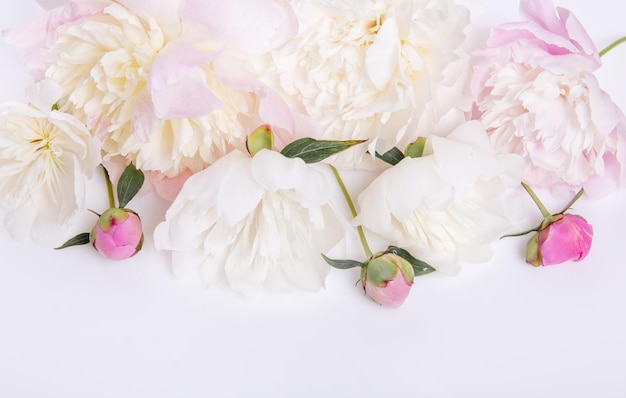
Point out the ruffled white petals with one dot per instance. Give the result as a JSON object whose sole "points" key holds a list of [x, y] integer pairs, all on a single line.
{"points": [[447, 206], [378, 70], [152, 97], [45, 159], [253, 224]]}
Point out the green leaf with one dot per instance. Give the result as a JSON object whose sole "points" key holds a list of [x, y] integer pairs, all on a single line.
{"points": [[419, 267], [343, 264], [129, 184], [392, 156], [78, 240], [311, 150]]}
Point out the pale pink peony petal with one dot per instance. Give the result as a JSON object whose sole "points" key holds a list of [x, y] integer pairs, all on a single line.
{"points": [[177, 86], [537, 96], [393, 294], [254, 27], [50, 4]]}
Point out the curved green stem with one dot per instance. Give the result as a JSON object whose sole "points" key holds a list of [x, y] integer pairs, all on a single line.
{"points": [[346, 195], [612, 46], [107, 179], [574, 199], [544, 212]]}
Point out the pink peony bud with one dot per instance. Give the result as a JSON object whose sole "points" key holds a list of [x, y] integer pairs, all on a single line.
{"points": [[564, 237], [117, 235], [387, 279]]}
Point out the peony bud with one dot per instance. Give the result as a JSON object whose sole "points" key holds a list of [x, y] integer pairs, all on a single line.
{"points": [[387, 279], [261, 138], [118, 234], [564, 237]]}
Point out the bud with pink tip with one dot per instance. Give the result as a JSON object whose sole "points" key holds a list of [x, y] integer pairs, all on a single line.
{"points": [[118, 234], [387, 279], [564, 237]]}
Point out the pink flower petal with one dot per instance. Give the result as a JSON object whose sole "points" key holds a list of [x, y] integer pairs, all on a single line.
{"points": [[177, 84], [252, 26]]}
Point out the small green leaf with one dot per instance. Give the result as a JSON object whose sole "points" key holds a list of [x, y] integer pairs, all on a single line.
{"points": [[343, 264], [419, 267], [78, 240], [129, 184], [55, 106], [311, 150], [392, 156]]}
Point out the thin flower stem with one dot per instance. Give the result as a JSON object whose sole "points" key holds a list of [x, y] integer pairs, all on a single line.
{"points": [[346, 195], [574, 199], [612, 46], [544, 212], [109, 187]]}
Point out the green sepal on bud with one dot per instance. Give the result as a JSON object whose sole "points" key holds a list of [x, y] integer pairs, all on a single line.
{"points": [[419, 267], [385, 267], [416, 148], [533, 255], [261, 138], [118, 215], [549, 220]]}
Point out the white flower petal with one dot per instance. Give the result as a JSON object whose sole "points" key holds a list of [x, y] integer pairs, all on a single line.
{"points": [[381, 58], [45, 159], [373, 70], [419, 205], [246, 228]]}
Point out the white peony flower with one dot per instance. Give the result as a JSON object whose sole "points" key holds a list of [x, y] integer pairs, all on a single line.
{"points": [[151, 96], [447, 206], [375, 69], [253, 223], [45, 158]]}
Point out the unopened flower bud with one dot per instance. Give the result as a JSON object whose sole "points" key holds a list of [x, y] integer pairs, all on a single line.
{"points": [[416, 148], [261, 138], [387, 279], [118, 234], [565, 237]]}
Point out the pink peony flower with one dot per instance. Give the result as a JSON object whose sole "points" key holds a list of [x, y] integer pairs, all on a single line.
{"points": [[566, 237], [387, 279], [537, 96], [118, 234]]}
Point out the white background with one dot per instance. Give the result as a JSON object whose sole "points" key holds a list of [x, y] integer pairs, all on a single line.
{"points": [[75, 325]]}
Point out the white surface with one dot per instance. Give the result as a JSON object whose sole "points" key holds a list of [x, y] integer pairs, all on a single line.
{"points": [[74, 325]]}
